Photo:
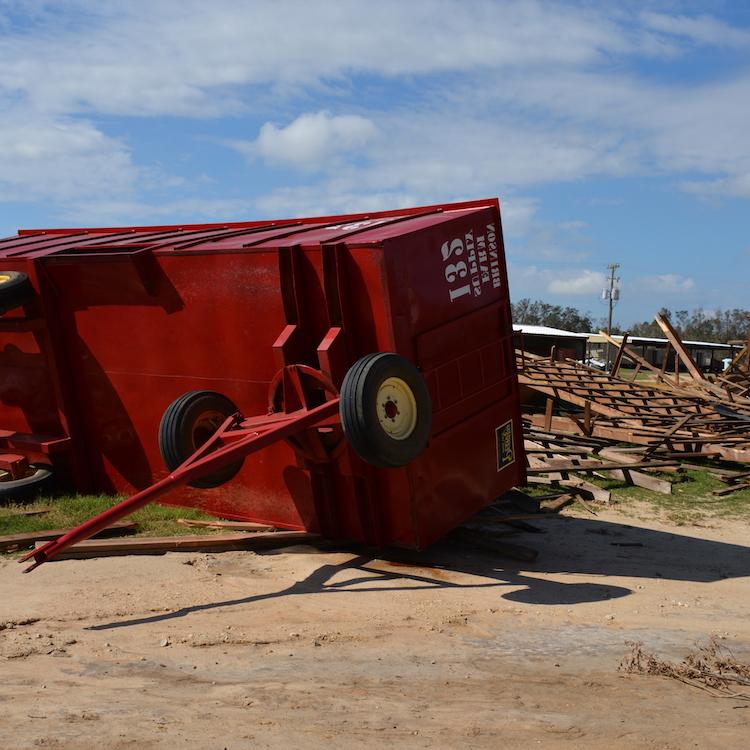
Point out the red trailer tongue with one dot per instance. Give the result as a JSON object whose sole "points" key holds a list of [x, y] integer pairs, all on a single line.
{"points": [[233, 441]]}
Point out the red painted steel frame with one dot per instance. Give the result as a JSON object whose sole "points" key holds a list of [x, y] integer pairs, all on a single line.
{"points": [[240, 440]]}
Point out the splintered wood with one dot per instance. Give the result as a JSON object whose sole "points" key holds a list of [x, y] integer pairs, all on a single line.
{"points": [[735, 380], [595, 404], [730, 389], [588, 415]]}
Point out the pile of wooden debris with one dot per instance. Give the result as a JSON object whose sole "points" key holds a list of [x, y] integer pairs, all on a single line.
{"points": [[730, 389], [579, 420]]}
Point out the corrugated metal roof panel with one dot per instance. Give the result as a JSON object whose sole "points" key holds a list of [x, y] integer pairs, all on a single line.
{"points": [[547, 331]]}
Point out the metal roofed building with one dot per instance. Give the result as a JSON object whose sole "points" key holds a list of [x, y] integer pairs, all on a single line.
{"points": [[708, 355], [541, 340]]}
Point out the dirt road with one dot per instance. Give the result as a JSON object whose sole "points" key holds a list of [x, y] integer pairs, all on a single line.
{"points": [[308, 649]]}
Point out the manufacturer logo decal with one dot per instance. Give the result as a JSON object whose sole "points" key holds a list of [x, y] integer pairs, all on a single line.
{"points": [[506, 454]]}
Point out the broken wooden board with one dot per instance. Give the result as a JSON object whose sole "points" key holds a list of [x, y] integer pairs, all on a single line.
{"points": [[639, 479], [633, 356], [585, 465], [587, 490], [229, 525], [14, 542], [678, 346], [547, 461], [159, 545], [558, 503], [730, 489]]}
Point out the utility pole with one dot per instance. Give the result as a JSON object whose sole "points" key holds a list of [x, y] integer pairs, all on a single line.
{"points": [[611, 294]]}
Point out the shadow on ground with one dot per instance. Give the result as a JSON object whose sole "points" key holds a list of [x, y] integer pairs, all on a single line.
{"points": [[601, 549]]}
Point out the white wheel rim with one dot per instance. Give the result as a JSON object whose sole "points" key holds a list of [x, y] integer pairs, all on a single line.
{"points": [[397, 408]]}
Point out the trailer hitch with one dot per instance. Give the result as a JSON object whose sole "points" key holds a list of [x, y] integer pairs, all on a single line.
{"points": [[234, 440]]}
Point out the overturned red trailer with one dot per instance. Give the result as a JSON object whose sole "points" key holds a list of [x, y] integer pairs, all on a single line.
{"points": [[123, 350]]}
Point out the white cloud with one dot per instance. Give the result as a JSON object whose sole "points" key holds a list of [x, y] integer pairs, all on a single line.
{"points": [[533, 280], [638, 126], [494, 97], [665, 283], [343, 198], [582, 282], [573, 225], [517, 213], [702, 29], [184, 56], [435, 156], [60, 158], [511, 131], [106, 211], [312, 140], [737, 186]]}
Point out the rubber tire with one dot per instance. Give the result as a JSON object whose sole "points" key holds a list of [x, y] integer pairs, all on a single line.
{"points": [[29, 486], [16, 291], [358, 410], [176, 430]]}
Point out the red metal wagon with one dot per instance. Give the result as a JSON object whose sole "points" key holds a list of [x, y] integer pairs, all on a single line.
{"points": [[349, 375]]}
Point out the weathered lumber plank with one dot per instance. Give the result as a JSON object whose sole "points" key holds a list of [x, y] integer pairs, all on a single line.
{"points": [[587, 489], [678, 346], [561, 464], [639, 479], [635, 357], [13, 542], [560, 502], [200, 543], [231, 525], [731, 488]]}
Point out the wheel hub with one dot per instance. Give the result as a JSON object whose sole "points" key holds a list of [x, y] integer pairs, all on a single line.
{"points": [[205, 426], [397, 408]]}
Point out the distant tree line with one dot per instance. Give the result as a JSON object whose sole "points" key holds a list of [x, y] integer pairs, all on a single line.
{"points": [[719, 326], [538, 313]]}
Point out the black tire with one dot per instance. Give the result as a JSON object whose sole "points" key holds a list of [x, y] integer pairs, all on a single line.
{"points": [[38, 479], [188, 423], [15, 290], [363, 423]]}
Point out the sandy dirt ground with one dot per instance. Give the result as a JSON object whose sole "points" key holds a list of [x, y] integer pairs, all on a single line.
{"points": [[306, 648]]}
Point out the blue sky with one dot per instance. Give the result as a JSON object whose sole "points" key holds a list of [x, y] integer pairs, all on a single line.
{"points": [[611, 132]]}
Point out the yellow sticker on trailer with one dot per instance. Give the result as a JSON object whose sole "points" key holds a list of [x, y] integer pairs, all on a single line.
{"points": [[506, 454]]}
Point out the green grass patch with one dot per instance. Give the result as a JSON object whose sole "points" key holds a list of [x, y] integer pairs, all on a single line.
{"points": [[69, 511], [626, 373], [691, 500]]}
